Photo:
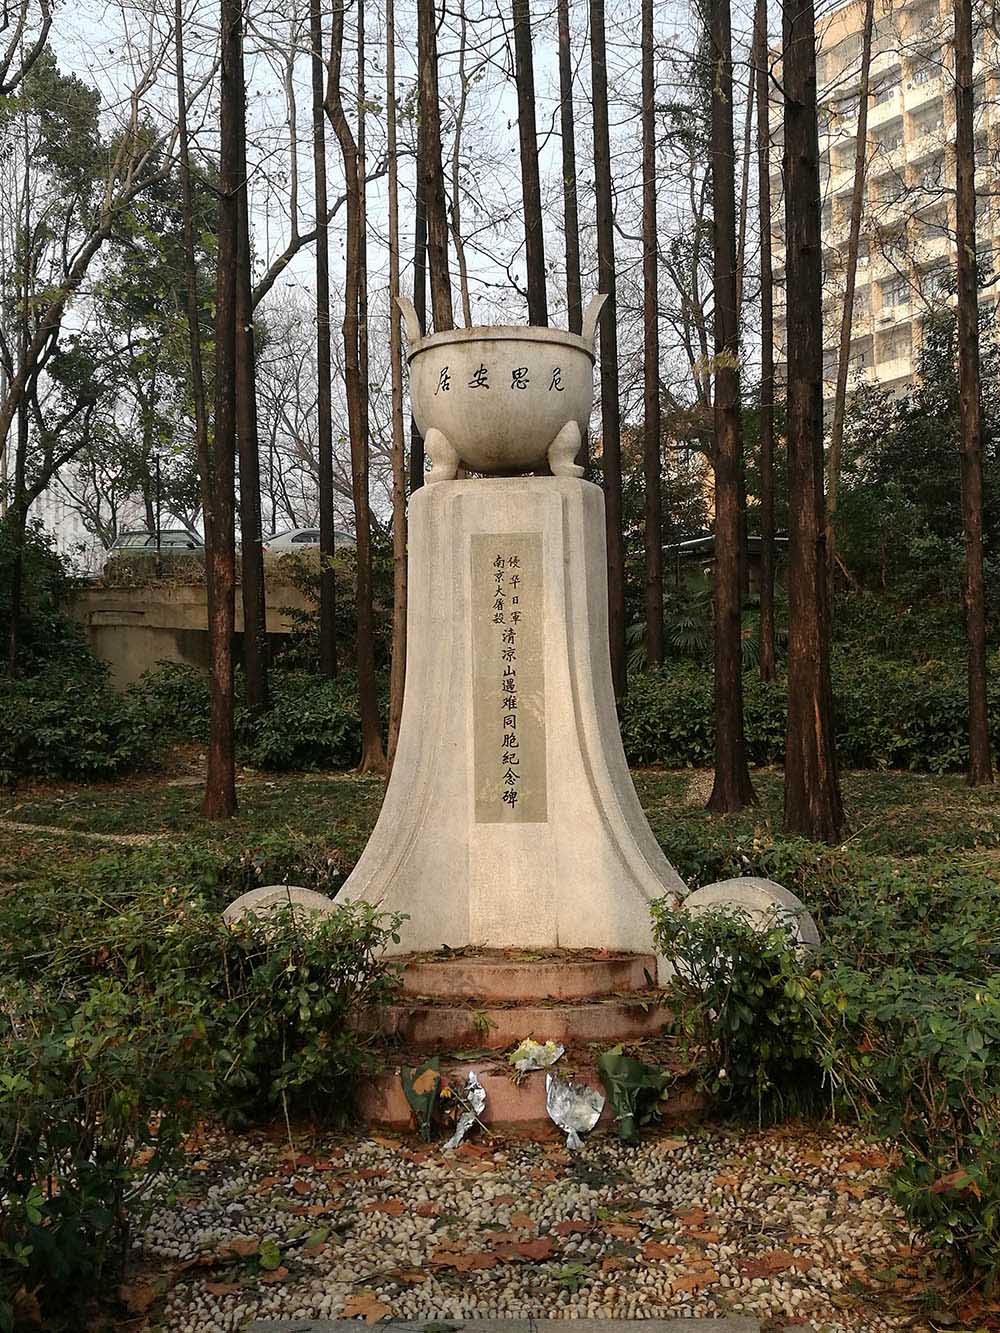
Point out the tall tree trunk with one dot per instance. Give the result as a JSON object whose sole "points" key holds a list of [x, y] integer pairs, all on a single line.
{"points": [[768, 667], [220, 786], [18, 516], [850, 280], [812, 793], [744, 208], [610, 411], [464, 84], [419, 298], [732, 789], [571, 222], [651, 354], [431, 169], [969, 405], [397, 672], [531, 190], [372, 757], [324, 398], [255, 648]]}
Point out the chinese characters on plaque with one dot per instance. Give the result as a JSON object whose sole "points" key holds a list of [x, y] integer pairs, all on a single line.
{"points": [[519, 379], [509, 684]]}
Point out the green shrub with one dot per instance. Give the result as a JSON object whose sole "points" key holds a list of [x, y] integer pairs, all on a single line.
{"points": [[96, 1089], [61, 724], [172, 701], [896, 1016], [287, 991], [739, 992], [46, 635], [887, 714], [129, 1008], [313, 723]]}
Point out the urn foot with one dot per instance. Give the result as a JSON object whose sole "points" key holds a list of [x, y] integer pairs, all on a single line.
{"points": [[563, 451]]}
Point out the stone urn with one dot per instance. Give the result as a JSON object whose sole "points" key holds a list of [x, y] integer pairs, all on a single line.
{"points": [[502, 400]]}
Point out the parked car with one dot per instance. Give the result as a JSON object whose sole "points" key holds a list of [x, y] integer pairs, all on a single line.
{"points": [[142, 540], [302, 539], [142, 543]]}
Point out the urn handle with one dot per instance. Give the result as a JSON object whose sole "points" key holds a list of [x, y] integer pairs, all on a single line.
{"points": [[413, 330], [592, 314]]}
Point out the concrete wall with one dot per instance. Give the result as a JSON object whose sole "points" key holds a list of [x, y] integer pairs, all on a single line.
{"points": [[134, 628]]}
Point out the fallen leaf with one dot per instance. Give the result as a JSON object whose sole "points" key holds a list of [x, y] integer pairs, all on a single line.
{"points": [[522, 1222], [365, 1305], [301, 1187], [268, 1183], [242, 1246], [394, 1207], [504, 1198], [464, 1261], [693, 1216], [311, 1251], [427, 1209], [541, 1248], [411, 1275], [668, 1145], [273, 1275], [692, 1281], [26, 1307], [138, 1298], [384, 1141], [578, 1226], [726, 1178], [654, 1250], [704, 1234], [370, 1173], [222, 1288], [613, 1263]]}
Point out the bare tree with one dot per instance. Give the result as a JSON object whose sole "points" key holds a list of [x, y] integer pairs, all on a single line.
{"points": [[610, 410], [761, 73], [849, 281], [812, 794], [372, 757], [732, 789], [431, 169], [531, 190], [397, 672], [571, 222], [651, 353], [327, 531], [969, 404], [220, 784], [255, 649]]}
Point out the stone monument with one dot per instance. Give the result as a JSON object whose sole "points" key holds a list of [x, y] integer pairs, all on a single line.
{"points": [[510, 818]]}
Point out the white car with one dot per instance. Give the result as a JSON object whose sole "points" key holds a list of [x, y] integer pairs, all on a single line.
{"points": [[302, 539]]}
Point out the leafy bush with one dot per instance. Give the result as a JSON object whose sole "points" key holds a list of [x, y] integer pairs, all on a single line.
{"points": [[287, 993], [46, 634], [129, 1008], [96, 1090], [61, 724], [312, 723], [887, 714], [740, 989], [896, 1016], [172, 701]]}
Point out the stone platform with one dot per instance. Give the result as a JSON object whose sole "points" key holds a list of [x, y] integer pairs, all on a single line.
{"points": [[470, 1008]]}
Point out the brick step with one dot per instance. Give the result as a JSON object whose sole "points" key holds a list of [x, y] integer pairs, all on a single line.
{"points": [[488, 976], [514, 1107], [454, 1027]]}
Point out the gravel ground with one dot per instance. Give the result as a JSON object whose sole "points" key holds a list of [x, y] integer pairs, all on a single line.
{"points": [[789, 1225]]}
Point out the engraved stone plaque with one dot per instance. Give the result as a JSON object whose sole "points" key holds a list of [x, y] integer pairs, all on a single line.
{"points": [[508, 678]]}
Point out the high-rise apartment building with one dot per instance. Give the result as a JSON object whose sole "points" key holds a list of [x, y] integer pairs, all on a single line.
{"points": [[907, 257]]}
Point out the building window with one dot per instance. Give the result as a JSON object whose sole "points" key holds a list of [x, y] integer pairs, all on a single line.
{"points": [[887, 89], [927, 70], [984, 259], [930, 173], [895, 292], [930, 119], [890, 137], [895, 344], [936, 283], [848, 109]]}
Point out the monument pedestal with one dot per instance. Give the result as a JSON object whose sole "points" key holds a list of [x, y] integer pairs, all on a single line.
{"points": [[510, 819]]}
